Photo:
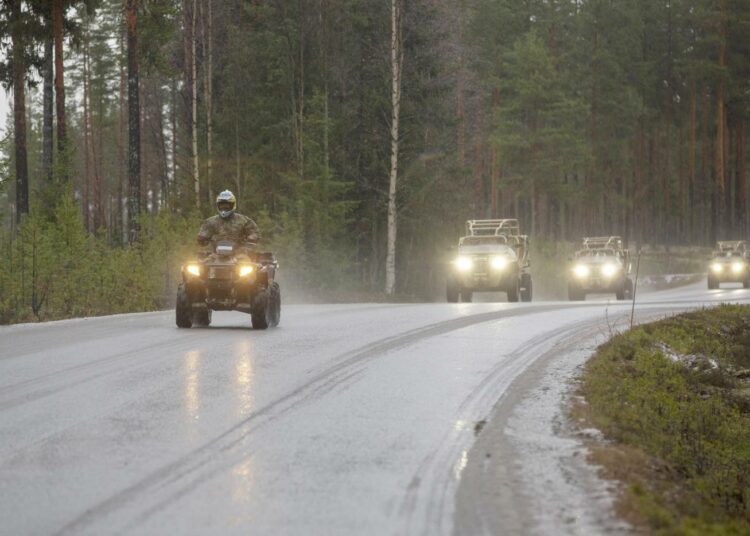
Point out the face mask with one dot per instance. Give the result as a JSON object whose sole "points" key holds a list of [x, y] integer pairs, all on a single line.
{"points": [[225, 213]]}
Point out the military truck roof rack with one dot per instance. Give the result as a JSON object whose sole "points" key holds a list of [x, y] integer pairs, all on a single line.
{"points": [[506, 227], [509, 229], [602, 242]]}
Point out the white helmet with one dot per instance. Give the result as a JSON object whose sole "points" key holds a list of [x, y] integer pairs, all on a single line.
{"points": [[226, 203]]}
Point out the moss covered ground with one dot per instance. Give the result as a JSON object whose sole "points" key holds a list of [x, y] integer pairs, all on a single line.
{"points": [[673, 401]]}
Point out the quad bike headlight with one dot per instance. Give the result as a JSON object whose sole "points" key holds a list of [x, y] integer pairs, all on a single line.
{"points": [[738, 267], [499, 262], [581, 270], [193, 269], [246, 270], [717, 267], [464, 264], [610, 269]]}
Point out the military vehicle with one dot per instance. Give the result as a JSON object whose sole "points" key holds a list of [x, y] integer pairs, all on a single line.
{"points": [[493, 256], [229, 279], [602, 265], [729, 264]]}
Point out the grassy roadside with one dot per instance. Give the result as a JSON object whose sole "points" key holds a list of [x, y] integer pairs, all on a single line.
{"points": [[673, 401]]}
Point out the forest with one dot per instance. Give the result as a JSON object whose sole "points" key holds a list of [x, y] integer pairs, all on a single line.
{"points": [[359, 134]]}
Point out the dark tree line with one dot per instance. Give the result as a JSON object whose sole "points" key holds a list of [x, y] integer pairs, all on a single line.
{"points": [[338, 121]]}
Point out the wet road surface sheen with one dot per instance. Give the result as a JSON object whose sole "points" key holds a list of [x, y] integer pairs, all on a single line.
{"points": [[346, 419]]}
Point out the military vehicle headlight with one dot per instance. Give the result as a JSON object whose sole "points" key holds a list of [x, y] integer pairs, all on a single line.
{"points": [[464, 264], [717, 267], [609, 269], [245, 270], [499, 262], [193, 269], [737, 267], [581, 270]]}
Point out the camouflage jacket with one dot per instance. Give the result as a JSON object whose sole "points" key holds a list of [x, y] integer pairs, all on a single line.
{"points": [[237, 228]]}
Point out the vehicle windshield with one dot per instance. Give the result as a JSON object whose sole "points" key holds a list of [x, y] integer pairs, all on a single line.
{"points": [[728, 254], [483, 240]]}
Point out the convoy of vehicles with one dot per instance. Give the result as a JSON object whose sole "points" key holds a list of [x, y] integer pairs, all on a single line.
{"points": [[602, 265], [729, 264], [229, 279], [493, 256]]}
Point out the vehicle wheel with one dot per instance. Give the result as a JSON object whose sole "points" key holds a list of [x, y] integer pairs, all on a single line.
{"points": [[513, 291], [746, 282], [528, 287], [451, 291], [713, 284], [575, 294], [275, 304], [261, 312], [202, 318], [620, 292], [629, 289], [183, 314], [466, 296]]}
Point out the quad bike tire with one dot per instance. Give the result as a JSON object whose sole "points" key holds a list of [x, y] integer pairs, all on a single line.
{"points": [[713, 284], [451, 291], [514, 291], [528, 288], [202, 318], [275, 304], [260, 314], [183, 312], [466, 296]]}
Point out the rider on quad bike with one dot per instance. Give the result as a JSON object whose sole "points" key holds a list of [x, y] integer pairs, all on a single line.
{"points": [[228, 225]]}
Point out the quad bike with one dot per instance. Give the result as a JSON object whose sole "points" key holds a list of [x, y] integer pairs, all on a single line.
{"points": [[229, 279]]}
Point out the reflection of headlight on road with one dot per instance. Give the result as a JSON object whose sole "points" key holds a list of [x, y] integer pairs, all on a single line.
{"points": [[245, 270], [581, 270], [717, 267], [737, 267], [193, 269], [464, 264], [499, 262], [609, 269]]}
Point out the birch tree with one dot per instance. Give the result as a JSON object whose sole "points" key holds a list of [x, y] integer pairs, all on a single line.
{"points": [[397, 61]]}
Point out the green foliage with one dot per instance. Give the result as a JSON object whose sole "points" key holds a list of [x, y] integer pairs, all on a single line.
{"points": [[539, 125], [55, 269], [691, 414]]}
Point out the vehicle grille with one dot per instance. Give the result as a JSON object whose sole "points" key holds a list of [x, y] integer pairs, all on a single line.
{"points": [[220, 272], [480, 265]]}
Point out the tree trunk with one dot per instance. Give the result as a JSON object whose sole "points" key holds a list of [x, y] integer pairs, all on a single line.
{"points": [[85, 186], [689, 215], [208, 83], [194, 107], [57, 30], [741, 186], [173, 120], [19, 113], [397, 61], [120, 227], [719, 160], [134, 127], [48, 108]]}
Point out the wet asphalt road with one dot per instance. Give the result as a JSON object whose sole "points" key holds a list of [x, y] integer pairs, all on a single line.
{"points": [[347, 419]]}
